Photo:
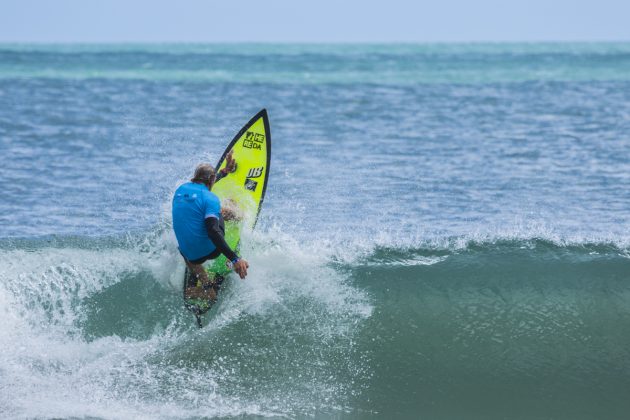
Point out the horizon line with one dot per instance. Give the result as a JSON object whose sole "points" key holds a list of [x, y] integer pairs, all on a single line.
{"points": [[180, 42]]}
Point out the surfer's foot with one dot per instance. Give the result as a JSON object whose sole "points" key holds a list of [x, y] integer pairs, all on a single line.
{"points": [[200, 293]]}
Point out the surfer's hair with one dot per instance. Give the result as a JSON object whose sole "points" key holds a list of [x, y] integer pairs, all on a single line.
{"points": [[204, 173]]}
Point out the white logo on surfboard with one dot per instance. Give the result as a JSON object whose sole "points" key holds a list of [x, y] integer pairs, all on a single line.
{"points": [[255, 172]]}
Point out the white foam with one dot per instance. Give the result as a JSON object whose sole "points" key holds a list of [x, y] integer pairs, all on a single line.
{"points": [[51, 370], [45, 283]]}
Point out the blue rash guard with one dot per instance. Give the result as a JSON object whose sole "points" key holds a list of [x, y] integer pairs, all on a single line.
{"points": [[192, 204]]}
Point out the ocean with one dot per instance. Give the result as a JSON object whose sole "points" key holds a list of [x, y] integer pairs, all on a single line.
{"points": [[446, 232]]}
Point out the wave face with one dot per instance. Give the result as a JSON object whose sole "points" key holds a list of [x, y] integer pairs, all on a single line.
{"points": [[509, 329], [445, 233]]}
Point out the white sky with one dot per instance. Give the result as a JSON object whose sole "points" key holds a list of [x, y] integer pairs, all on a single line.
{"points": [[313, 21]]}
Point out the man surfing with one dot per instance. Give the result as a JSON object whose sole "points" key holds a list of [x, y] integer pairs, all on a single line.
{"points": [[198, 222]]}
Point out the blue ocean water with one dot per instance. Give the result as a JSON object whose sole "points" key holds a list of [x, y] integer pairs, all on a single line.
{"points": [[445, 233]]}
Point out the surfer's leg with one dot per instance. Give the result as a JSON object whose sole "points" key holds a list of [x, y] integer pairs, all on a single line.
{"points": [[204, 292]]}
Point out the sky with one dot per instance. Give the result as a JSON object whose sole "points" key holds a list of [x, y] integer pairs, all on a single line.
{"points": [[318, 21]]}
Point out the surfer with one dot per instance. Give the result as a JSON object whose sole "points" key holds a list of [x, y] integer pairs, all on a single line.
{"points": [[198, 222]]}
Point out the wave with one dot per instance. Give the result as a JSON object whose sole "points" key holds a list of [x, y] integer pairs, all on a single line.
{"points": [[96, 327]]}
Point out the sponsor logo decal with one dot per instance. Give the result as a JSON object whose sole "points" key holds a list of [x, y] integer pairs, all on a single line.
{"points": [[255, 172], [250, 184], [253, 140]]}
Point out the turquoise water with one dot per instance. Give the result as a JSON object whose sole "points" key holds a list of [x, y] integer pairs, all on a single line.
{"points": [[404, 64], [445, 233]]}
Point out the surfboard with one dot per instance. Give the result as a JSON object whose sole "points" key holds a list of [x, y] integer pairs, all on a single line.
{"points": [[242, 193]]}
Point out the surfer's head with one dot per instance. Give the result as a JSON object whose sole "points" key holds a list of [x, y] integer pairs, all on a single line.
{"points": [[204, 174]]}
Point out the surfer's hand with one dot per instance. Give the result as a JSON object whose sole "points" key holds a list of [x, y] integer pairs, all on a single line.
{"points": [[241, 267], [230, 163]]}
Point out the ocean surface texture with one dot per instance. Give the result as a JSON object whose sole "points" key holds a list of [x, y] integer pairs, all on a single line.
{"points": [[446, 233]]}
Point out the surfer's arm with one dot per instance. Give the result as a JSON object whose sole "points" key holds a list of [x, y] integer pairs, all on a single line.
{"points": [[220, 175], [217, 237]]}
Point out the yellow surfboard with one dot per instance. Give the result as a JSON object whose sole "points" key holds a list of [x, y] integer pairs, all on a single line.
{"points": [[241, 193]]}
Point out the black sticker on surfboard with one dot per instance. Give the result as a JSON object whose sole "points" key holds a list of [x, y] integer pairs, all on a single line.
{"points": [[250, 184], [253, 140]]}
